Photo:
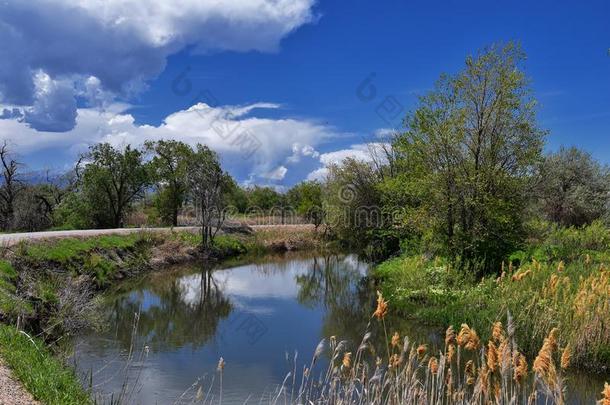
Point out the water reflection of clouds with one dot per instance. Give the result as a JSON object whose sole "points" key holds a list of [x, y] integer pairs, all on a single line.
{"points": [[254, 281]]}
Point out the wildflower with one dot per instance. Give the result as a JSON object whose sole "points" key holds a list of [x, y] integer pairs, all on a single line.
{"points": [[382, 307]]}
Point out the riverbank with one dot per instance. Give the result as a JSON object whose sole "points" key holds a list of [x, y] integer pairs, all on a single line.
{"points": [[49, 289], [560, 280]]}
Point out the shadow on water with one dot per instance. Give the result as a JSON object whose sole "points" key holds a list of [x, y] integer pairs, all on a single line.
{"points": [[255, 314]]}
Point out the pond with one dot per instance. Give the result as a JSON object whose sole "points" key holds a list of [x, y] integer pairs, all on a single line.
{"points": [[167, 331]]}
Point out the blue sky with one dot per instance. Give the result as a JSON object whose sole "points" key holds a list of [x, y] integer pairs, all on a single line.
{"points": [[284, 75]]}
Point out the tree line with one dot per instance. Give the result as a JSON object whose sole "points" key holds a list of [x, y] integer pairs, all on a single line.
{"points": [[466, 175], [160, 180]]}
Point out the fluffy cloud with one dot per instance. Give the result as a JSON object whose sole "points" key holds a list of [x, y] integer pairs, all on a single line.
{"points": [[114, 46], [364, 152], [250, 146]]}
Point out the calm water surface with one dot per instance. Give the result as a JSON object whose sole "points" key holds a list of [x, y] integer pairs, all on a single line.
{"points": [[168, 331]]}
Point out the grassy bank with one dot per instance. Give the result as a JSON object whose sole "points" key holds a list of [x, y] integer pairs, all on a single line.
{"points": [[560, 280], [41, 373], [50, 289]]}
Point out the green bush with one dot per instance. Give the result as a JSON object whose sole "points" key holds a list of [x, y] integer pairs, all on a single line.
{"points": [[227, 246]]}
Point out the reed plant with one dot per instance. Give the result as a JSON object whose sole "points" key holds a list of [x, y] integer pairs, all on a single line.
{"points": [[465, 371]]}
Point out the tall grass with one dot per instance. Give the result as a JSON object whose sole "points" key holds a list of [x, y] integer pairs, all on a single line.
{"points": [[570, 291], [466, 371]]}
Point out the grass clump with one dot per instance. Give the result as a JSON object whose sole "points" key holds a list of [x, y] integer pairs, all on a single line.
{"points": [[65, 250], [43, 375]]}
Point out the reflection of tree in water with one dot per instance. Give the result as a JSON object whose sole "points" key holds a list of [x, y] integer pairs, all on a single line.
{"points": [[187, 311], [338, 285]]}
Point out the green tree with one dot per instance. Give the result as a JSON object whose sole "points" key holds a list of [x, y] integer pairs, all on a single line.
{"points": [[169, 167], [207, 185], [352, 202], [111, 181], [264, 198], [306, 200], [573, 189], [469, 151]]}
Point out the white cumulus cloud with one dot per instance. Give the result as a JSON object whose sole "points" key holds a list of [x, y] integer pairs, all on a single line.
{"points": [[113, 47], [249, 146]]}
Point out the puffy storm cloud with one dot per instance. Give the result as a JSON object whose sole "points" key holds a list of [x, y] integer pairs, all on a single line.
{"points": [[121, 44], [250, 147]]}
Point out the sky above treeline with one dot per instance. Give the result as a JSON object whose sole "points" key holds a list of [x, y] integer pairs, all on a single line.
{"points": [[279, 88]]}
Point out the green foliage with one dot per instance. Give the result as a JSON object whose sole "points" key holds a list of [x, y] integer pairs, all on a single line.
{"points": [[568, 289], [306, 200], [263, 198], [467, 154], [169, 168], [112, 180], [73, 212], [573, 188], [44, 376], [227, 246]]}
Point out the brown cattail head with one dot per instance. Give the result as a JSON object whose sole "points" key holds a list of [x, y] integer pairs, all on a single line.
{"points": [[605, 395], [347, 360], [221, 364], [450, 353], [395, 339], [395, 361], [497, 332], [382, 307], [468, 338], [492, 357], [543, 364], [566, 354], [520, 275], [449, 336], [470, 372], [421, 350], [520, 367], [433, 365]]}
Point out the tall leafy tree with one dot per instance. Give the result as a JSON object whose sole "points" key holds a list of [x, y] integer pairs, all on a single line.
{"points": [[470, 149], [306, 200], [169, 167], [207, 184], [112, 180], [573, 188]]}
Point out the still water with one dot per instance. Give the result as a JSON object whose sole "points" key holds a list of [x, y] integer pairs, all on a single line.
{"points": [[168, 330]]}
